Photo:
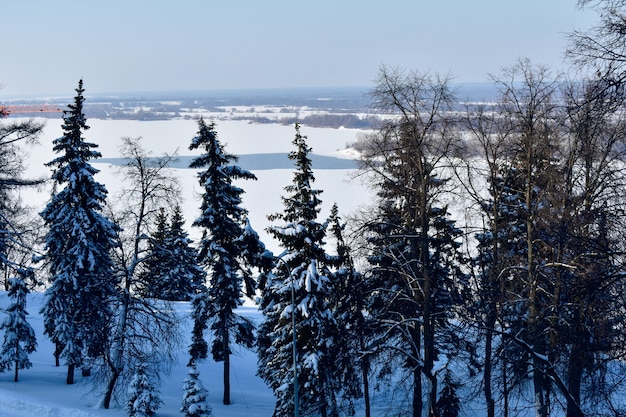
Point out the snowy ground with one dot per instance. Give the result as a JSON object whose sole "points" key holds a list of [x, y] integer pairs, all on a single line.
{"points": [[42, 391]]}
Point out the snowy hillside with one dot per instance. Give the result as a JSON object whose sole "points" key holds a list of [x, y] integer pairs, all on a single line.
{"points": [[42, 392]]}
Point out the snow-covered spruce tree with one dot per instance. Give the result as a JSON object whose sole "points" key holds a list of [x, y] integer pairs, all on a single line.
{"points": [[348, 302], [229, 249], [77, 247], [302, 271], [19, 337], [186, 276], [171, 268], [157, 259], [143, 395], [195, 396]]}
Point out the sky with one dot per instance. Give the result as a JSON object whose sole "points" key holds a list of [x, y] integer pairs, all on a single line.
{"points": [[194, 45]]}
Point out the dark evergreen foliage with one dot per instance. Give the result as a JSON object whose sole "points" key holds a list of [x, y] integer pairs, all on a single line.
{"points": [[157, 260], [449, 404], [348, 304], [416, 276], [171, 270]]}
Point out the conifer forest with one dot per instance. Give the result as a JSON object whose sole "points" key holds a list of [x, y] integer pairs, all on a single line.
{"points": [[487, 277]]}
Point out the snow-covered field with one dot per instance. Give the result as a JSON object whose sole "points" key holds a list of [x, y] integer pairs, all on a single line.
{"points": [[42, 391]]}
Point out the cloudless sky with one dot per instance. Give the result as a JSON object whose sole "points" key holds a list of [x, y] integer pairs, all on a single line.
{"points": [[163, 45]]}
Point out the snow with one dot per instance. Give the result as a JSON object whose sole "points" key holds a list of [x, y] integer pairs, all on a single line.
{"points": [[14, 407], [261, 197], [42, 391]]}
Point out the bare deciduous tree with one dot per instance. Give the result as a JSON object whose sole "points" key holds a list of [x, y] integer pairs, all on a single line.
{"points": [[417, 242], [145, 331]]}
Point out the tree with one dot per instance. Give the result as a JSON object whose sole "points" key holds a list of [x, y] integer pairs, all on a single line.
{"points": [[601, 49], [300, 285], [348, 303], [19, 337], [415, 261], [143, 397], [529, 108], [143, 331], [157, 260], [171, 269], [497, 224], [78, 247], [588, 243], [16, 231], [449, 404], [195, 396], [229, 249]]}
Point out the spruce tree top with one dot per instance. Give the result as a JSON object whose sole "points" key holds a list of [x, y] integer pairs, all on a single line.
{"points": [[301, 189], [214, 154], [221, 200], [73, 149]]}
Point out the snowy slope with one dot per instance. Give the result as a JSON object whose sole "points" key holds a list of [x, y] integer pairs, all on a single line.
{"points": [[42, 392]]}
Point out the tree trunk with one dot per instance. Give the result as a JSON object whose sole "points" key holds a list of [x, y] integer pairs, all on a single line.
{"points": [[534, 334], [428, 290], [366, 387], [488, 368], [70, 374], [226, 370], [16, 371], [575, 372], [429, 347], [541, 408], [57, 354], [417, 392], [505, 388], [432, 394], [418, 402], [108, 395]]}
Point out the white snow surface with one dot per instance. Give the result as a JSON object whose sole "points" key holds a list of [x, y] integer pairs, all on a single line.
{"points": [[42, 392], [261, 197]]}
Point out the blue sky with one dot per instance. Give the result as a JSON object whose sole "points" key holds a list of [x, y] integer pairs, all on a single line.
{"points": [[159, 45]]}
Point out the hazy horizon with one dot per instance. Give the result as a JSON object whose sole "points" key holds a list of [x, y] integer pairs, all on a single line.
{"points": [[465, 89]]}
